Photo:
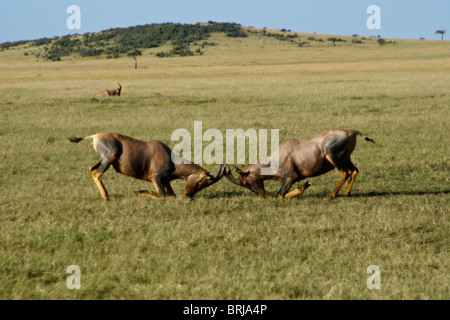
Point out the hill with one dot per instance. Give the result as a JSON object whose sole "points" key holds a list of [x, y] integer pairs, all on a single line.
{"points": [[183, 39], [116, 42]]}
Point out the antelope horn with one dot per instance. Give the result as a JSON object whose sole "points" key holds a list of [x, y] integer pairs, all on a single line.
{"points": [[219, 173], [217, 177], [229, 176]]}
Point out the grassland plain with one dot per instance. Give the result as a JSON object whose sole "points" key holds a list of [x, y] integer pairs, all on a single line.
{"points": [[228, 243]]}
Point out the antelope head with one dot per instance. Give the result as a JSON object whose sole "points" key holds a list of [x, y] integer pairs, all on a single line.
{"points": [[249, 178], [197, 182]]}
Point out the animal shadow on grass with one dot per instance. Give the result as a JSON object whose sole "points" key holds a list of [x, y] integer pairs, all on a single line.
{"points": [[236, 194], [398, 193], [223, 194]]}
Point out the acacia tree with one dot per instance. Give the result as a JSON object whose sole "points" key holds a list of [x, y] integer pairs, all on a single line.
{"points": [[134, 54], [441, 32]]}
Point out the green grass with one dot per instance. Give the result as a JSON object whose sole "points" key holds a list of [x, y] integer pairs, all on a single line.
{"points": [[227, 243]]}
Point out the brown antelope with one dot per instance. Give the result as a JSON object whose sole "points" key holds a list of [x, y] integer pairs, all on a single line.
{"points": [[150, 161], [107, 93], [300, 159]]}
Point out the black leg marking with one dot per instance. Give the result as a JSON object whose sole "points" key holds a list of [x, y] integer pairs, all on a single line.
{"points": [[168, 188], [157, 181], [284, 186], [95, 166]]}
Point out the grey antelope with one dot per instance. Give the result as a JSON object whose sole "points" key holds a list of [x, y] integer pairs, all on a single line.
{"points": [[300, 159], [150, 161], [107, 93]]}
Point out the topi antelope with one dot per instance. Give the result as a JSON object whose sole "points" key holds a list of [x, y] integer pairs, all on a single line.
{"points": [[300, 159], [150, 161], [107, 93]]}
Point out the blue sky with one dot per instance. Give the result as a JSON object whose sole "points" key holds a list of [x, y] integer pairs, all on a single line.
{"points": [[27, 20]]}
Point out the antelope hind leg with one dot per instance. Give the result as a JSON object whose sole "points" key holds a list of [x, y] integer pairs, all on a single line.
{"points": [[350, 184], [340, 184], [97, 179], [95, 166]]}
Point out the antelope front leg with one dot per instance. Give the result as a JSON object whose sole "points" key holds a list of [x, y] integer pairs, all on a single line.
{"points": [[157, 195], [285, 186], [150, 194], [157, 182], [297, 192], [168, 189]]}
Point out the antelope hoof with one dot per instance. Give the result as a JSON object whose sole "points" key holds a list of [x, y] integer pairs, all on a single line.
{"points": [[146, 193], [189, 197]]}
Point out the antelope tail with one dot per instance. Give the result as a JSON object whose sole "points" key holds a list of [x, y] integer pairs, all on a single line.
{"points": [[75, 139], [363, 135]]}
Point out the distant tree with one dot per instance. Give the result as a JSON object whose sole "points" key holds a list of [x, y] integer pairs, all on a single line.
{"points": [[441, 32], [134, 54], [381, 41]]}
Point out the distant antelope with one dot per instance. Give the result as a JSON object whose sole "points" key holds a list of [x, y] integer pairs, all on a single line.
{"points": [[150, 161], [107, 93], [300, 159]]}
